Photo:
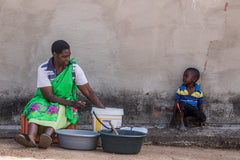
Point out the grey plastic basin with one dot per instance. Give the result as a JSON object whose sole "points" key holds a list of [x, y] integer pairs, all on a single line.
{"points": [[127, 142], [77, 139]]}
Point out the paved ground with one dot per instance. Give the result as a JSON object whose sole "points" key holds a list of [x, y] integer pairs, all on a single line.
{"points": [[9, 149], [214, 137], [225, 137]]}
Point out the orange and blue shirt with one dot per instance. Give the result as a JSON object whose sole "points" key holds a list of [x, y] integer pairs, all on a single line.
{"points": [[194, 99]]}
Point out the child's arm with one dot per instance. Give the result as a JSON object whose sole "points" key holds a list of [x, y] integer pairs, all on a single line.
{"points": [[175, 108], [200, 106], [174, 117]]}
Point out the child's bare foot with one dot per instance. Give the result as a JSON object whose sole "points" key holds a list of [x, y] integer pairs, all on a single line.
{"points": [[183, 128], [189, 124], [203, 125]]}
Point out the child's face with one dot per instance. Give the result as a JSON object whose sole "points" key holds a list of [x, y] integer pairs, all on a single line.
{"points": [[188, 78]]}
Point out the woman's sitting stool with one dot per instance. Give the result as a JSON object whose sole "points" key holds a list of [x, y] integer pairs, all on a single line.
{"points": [[24, 128]]}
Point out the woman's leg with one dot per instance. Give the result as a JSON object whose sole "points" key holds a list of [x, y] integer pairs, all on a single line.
{"points": [[32, 131], [45, 138], [28, 140], [49, 131]]}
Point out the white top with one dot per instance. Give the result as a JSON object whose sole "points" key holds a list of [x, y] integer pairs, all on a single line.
{"points": [[46, 73]]}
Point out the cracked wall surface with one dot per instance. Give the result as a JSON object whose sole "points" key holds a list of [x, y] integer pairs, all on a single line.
{"points": [[133, 53]]}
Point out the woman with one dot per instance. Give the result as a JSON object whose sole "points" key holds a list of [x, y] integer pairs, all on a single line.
{"points": [[55, 104]]}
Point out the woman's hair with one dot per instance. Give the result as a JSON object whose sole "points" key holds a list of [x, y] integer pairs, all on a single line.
{"points": [[59, 45], [195, 72]]}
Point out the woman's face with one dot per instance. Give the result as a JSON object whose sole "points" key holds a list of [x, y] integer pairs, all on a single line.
{"points": [[63, 58]]}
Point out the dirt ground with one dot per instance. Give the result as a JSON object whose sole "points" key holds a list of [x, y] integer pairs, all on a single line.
{"points": [[9, 149]]}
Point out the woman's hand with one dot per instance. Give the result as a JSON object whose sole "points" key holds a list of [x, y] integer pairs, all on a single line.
{"points": [[90, 94], [48, 95], [78, 104]]}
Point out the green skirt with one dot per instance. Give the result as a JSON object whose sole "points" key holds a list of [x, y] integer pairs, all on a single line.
{"points": [[60, 123]]}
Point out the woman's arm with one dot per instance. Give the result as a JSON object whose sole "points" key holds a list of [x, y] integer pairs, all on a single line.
{"points": [[90, 94], [49, 96]]}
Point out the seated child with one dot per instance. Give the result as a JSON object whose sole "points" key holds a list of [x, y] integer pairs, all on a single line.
{"points": [[189, 99]]}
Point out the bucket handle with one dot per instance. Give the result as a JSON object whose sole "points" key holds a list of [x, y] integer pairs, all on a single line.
{"points": [[99, 120]]}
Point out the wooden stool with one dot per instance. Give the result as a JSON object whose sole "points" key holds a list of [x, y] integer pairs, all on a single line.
{"points": [[24, 128]]}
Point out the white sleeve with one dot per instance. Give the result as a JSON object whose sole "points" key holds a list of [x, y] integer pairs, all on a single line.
{"points": [[80, 76], [42, 79]]}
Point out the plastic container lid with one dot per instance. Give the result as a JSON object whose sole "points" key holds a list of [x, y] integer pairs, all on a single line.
{"points": [[108, 111]]}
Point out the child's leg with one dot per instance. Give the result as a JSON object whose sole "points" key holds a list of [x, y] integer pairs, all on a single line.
{"points": [[182, 112], [200, 116], [189, 121], [182, 126]]}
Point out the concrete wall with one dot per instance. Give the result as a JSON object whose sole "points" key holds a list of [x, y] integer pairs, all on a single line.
{"points": [[133, 52]]}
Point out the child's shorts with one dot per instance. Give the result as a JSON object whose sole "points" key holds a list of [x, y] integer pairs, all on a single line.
{"points": [[191, 111]]}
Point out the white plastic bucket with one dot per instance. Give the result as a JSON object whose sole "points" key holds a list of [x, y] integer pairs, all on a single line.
{"points": [[113, 115]]}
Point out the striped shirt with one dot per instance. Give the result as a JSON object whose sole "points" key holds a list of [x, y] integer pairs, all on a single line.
{"points": [[194, 99], [47, 73]]}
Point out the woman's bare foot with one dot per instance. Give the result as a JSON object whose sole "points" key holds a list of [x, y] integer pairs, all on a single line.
{"points": [[32, 139]]}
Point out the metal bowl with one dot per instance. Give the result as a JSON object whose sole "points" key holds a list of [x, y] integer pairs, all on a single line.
{"points": [[77, 139]]}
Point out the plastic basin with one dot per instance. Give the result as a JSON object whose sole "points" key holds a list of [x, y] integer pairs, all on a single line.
{"points": [[77, 139], [127, 142]]}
